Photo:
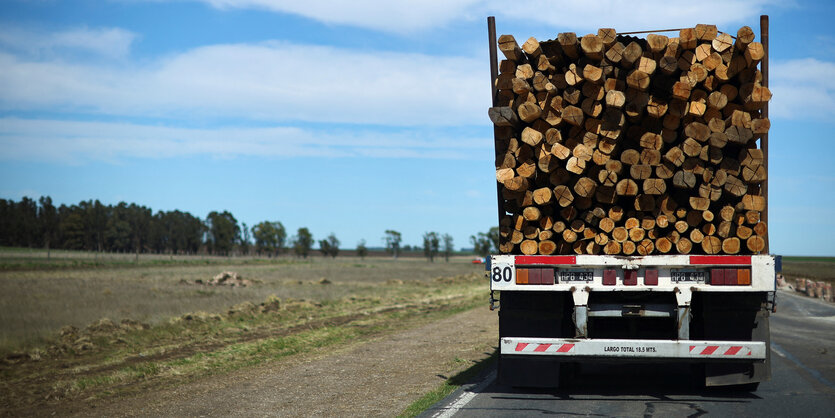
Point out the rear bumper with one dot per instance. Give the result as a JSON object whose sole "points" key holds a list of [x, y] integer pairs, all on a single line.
{"points": [[639, 349]]}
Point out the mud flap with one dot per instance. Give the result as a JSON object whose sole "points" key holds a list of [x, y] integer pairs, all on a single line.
{"points": [[531, 372], [725, 374]]}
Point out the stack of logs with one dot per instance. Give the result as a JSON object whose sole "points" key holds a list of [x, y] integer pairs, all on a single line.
{"points": [[610, 144]]}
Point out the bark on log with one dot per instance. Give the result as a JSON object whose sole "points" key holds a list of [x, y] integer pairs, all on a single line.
{"points": [[665, 127]]}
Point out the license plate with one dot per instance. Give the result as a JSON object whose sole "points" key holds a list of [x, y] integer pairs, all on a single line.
{"points": [[576, 276], [695, 276]]}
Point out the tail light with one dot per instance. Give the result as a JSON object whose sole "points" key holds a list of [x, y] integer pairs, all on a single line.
{"points": [[651, 277], [521, 276], [744, 277], [534, 276], [730, 277], [630, 277], [610, 277]]}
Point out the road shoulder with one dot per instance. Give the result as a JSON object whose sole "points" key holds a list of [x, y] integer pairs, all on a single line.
{"points": [[377, 378]]}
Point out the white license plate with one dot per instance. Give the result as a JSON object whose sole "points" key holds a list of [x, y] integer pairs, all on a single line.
{"points": [[696, 276], [576, 276]]}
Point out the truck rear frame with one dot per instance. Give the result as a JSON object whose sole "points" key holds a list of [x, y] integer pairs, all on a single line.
{"points": [[706, 310], [710, 311]]}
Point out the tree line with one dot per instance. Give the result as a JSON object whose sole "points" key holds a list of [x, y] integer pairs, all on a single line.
{"points": [[131, 228]]}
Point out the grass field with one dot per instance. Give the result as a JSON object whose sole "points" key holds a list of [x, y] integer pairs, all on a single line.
{"points": [[185, 330], [38, 295], [815, 268]]}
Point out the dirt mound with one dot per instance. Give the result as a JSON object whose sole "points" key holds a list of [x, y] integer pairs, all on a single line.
{"points": [[74, 339], [132, 325], [243, 308], [226, 278], [197, 317], [103, 326], [272, 304]]}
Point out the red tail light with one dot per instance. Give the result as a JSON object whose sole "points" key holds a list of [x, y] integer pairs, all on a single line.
{"points": [[534, 276], [610, 277], [730, 277], [630, 277], [717, 277], [651, 277]]}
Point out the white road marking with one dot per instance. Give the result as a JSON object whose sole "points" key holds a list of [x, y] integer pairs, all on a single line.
{"points": [[778, 352], [465, 398]]}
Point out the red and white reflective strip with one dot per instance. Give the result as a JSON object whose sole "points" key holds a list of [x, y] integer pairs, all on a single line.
{"points": [[601, 347], [543, 348], [723, 350]]}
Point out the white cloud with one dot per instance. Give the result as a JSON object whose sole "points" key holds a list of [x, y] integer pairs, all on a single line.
{"points": [[269, 81], [79, 142], [802, 89], [106, 42], [416, 15], [400, 16]]}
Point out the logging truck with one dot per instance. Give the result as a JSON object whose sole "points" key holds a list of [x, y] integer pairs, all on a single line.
{"points": [[632, 199]]}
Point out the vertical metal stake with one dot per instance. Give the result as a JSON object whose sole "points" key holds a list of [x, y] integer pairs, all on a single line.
{"points": [[494, 74], [764, 143]]}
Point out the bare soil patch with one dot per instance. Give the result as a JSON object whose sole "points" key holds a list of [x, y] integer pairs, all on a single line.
{"points": [[376, 378]]}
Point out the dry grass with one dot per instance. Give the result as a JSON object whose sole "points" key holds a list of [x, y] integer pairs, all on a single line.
{"points": [[362, 301], [193, 332], [815, 268], [39, 296]]}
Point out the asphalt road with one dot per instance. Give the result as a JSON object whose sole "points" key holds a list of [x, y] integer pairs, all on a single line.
{"points": [[802, 384]]}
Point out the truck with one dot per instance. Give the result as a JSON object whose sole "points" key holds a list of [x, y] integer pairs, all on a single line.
{"points": [[706, 309]]}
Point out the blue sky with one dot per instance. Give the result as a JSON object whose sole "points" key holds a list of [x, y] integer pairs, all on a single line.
{"points": [[345, 117]]}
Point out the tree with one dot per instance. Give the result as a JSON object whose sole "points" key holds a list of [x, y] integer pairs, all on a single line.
{"points": [[223, 232], [362, 251], [184, 232], [48, 219], [269, 237], [392, 240], [139, 218], [27, 215], [448, 247], [159, 236], [431, 243], [487, 243], [245, 239], [302, 242], [71, 227], [329, 246], [118, 234], [96, 223]]}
